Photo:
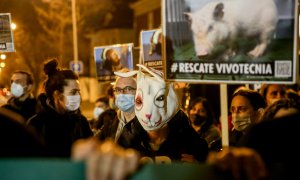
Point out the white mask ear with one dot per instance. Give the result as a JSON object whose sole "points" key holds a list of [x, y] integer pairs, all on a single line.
{"points": [[126, 74], [155, 73]]}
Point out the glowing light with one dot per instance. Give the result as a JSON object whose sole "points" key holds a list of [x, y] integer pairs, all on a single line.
{"points": [[13, 26], [2, 64], [2, 56]]}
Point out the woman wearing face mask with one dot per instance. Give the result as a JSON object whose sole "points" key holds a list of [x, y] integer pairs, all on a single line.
{"points": [[246, 108], [60, 121], [202, 119]]}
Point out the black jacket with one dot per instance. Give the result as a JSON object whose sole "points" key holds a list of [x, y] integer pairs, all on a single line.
{"points": [[25, 108], [60, 131], [277, 142], [182, 139], [16, 139]]}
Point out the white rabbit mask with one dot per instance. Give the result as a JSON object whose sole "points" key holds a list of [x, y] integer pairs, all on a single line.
{"points": [[155, 102]]}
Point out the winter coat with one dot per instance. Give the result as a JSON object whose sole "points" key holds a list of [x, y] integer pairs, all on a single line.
{"points": [[182, 139], [60, 131]]}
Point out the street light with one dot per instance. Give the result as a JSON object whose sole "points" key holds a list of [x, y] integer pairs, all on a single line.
{"points": [[13, 26], [74, 33], [2, 56]]}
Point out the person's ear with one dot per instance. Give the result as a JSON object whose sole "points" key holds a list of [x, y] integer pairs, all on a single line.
{"points": [[59, 104], [29, 87], [260, 113], [58, 95]]}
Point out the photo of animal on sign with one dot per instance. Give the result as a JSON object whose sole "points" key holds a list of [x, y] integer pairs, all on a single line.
{"points": [[112, 58], [228, 31], [229, 27], [151, 41], [222, 22]]}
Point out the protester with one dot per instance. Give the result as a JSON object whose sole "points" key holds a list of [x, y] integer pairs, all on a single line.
{"points": [[246, 108], [22, 101], [280, 108], [101, 105], [272, 92], [203, 121], [60, 123], [276, 141], [161, 130], [124, 89], [104, 120]]}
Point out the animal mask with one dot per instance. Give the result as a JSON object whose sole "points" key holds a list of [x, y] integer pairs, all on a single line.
{"points": [[156, 101]]}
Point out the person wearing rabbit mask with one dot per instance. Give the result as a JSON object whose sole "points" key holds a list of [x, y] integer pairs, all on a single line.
{"points": [[161, 131]]}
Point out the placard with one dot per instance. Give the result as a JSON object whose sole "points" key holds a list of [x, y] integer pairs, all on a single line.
{"points": [[6, 34], [112, 58], [237, 41], [151, 47]]}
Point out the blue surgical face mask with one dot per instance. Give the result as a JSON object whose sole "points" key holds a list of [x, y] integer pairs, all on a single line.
{"points": [[125, 102]]}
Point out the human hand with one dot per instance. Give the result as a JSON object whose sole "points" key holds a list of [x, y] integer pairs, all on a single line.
{"points": [[105, 160], [187, 158], [240, 162]]}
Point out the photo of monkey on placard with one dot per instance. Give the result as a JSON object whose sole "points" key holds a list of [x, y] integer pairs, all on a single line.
{"points": [[113, 58]]}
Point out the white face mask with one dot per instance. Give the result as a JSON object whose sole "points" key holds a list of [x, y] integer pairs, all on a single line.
{"points": [[73, 102], [241, 123], [97, 112], [17, 90]]}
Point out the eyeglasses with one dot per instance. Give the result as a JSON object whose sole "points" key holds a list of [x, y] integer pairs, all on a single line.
{"points": [[125, 90]]}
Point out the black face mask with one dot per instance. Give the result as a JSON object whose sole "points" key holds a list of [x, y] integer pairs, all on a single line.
{"points": [[197, 119]]}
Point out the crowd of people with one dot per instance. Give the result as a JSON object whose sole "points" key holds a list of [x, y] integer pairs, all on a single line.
{"points": [[149, 125]]}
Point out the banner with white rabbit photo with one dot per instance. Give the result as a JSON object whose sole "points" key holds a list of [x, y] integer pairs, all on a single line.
{"points": [[6, 34], [112, 58], [230, 41], [151, 47]]}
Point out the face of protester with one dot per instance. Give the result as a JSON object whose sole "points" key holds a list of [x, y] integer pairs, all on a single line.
{"points": [[274, 93], [19, 86], [242, 113], [70, 99], [125, 89], [102, 105], [197, 114]]}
